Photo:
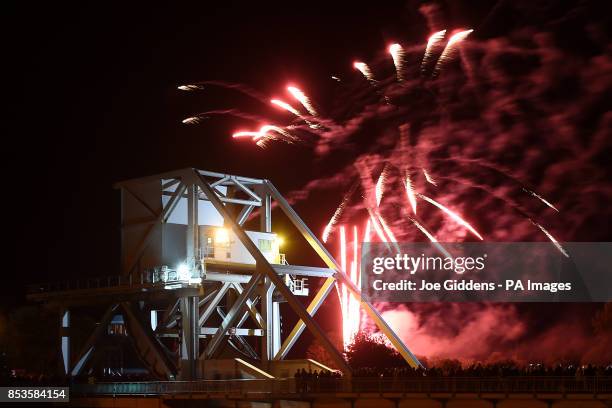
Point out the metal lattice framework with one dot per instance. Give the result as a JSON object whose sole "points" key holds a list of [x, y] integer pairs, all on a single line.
{"points": [[190, 309]]}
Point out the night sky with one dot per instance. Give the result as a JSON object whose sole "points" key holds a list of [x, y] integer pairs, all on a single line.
{"points": [[94, 101]]}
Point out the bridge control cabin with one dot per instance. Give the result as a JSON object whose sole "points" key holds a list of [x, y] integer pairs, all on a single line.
{"points": [[193, 240]]}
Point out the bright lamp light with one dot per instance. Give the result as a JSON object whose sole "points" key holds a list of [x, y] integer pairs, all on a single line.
{"points": [[222, 236], [183, 271], [280, 241]]}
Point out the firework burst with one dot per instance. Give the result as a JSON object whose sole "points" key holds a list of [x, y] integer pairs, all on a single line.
{"points": [[408, 172], [364, 69]]}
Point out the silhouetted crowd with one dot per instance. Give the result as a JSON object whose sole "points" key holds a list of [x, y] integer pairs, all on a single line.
{"points": [[309, 381], [489, 370]]}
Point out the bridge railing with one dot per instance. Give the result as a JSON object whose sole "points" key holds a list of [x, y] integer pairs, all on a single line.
{"points": [[506, 385], [147, 278]]}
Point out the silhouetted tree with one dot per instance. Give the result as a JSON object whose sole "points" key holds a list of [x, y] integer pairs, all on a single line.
{"points": [[368, 350]]}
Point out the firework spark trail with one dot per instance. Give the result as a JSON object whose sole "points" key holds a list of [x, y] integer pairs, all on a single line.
{"points": [[284, 105], [539, 197], [487, 189], [271, 128], [367, 231], [329, 228], [354, 302], [227, 85], [264, 134], [428, 177], [449, 49], [380, 184], [552, 239], [397, 53], [190, 87], [364, 69], [433, 41], [378, 229], [516, 207], [430, 236], [246, 133], [349, 304], [343, 289], [503, 172], [230, 112], [303, 99], [343, 248], [451, 214], [192, 120], [389, 233], [410, 192]]}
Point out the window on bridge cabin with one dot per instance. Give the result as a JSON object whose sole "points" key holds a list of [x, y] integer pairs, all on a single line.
{"points": [[265, 245]]}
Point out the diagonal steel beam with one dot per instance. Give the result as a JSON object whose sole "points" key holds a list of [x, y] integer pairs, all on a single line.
{"points": [[252, 310], [252, 353], [207, 298], [246, 314], [140, 200], [170, 184], [161, 218], [153, 352], [299, 327], [213, 303], [245, 189], [244, 214], [263, 267], [220, 181], [168, 319], [88, 348], [174, 200], [341, 276]]}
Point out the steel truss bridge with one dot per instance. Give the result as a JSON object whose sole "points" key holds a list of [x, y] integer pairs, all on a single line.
{"points": [[250, 293]]}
